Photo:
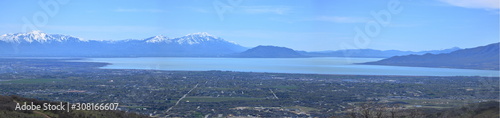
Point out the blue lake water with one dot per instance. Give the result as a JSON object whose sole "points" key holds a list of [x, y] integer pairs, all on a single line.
{"points": [[326, 65]]}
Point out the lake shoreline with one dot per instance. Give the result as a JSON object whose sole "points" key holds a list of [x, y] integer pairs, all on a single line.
{"points": [[322, 65]]}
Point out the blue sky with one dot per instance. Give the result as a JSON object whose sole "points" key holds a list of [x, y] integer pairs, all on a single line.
{"points": [[310, 25]]}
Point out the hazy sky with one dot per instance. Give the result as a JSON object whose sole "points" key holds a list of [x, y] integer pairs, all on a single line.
{"points": [[309, 25]]}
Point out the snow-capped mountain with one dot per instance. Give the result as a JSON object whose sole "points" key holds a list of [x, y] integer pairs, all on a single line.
{"points": [[158, 39], [197, 38], [36, 37], [37, 43], [190, 39]]}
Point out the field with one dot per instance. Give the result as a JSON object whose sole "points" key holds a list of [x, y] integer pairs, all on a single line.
{"points": [[217, 99], [31, 81]]}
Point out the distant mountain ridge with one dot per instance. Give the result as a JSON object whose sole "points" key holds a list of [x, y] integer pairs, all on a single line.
{"points": [[482, 57], [37, 43], [37, 37], [268, 52], [371, 53]]}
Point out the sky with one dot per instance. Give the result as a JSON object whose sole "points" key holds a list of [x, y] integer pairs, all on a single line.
{"points": [[309, 25]]}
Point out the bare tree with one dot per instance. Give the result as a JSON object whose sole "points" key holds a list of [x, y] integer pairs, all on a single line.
{"points": [[379, 112], [366, 110], [415, 113], [353, 114], [373, 109], [393, 110]]}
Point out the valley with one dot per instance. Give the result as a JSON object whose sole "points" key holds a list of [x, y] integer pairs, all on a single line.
{"points": [[224, 93]]}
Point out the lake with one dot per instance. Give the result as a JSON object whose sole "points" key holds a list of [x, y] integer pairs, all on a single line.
{"points": [[323, 65]]}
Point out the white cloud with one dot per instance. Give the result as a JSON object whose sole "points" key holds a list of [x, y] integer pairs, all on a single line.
{"points": [[483, 4], [266, 9], [340, 19], [140, 10]]}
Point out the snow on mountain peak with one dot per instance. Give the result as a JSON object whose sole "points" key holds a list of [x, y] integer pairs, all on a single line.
{"points": [[201, 34], [41, 37], [189, 39], [35, 36], [197, 38], [156, 39]]}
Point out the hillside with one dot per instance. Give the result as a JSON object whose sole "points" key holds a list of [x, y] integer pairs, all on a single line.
{"points": [[268, 52], [8, 104], [488, 109], [483, 57]]}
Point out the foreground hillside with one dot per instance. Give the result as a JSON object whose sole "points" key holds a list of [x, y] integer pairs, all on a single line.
{"points": [[483, 57], [8, 105], [487, 109], [478, 110]]}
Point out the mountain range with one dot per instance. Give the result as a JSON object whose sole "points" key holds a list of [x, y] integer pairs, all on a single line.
{"points": [[482, 57], [37, 43], [371, 53]]}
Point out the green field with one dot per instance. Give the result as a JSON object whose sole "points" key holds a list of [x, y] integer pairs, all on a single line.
{"points": [[217, 99], [286, 87], [31, 81], [303, 108], [437, 103]]}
